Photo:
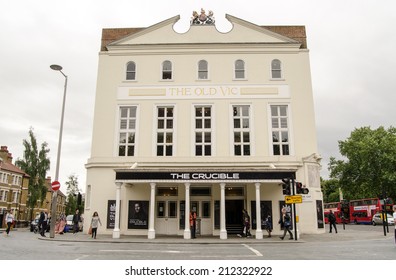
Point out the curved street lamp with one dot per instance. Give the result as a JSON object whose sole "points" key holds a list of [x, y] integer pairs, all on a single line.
{"points": [[55, 193]]}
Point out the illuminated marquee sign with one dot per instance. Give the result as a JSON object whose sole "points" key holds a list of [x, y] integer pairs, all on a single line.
{"points": [[201, 176]]}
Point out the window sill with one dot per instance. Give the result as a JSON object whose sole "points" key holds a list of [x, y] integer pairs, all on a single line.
{"points": [[238, 80]]}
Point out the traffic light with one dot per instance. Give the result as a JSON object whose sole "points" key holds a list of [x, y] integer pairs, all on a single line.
{"points": [[299, 187], [286, 187]]}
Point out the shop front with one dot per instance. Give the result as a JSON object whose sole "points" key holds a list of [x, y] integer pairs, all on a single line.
{"points": [[218, 198]]}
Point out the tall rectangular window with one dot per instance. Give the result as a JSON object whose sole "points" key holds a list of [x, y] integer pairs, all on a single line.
{"points": [[276, 69], [164, 131], [202, 70], [280, 130], [241, 119], [203, 131], [239, 69], [15, 197], [127, 131]]}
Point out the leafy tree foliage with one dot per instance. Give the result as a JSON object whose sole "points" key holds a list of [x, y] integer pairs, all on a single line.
{"points": [[36, 164], [330, 190], [72, 192], [369, 169]]}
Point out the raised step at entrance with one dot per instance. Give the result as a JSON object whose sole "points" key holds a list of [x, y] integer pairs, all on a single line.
{"points": [[234, 229]]}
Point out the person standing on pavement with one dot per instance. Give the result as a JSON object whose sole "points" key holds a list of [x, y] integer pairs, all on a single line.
{"points": [[95, 221], [332, 221], [9, 221], [43, 223], [193, 223], [76, 221]]}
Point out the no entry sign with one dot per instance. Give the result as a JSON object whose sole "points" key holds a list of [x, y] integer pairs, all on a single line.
{"points": [[55, 185]]}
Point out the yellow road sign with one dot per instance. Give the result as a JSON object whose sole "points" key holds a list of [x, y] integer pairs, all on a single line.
{"points": [[290, 199]]}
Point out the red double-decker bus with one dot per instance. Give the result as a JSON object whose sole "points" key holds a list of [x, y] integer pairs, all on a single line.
{"points": [[358, 211], [340, 210], [361, 211]]}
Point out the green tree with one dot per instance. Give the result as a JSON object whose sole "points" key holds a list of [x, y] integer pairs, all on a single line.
{"points": [[36, 164], [72, 192], [369, 168], [330, 190]]}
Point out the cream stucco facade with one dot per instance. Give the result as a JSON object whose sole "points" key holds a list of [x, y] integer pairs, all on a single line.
{"points": [[202, 120]]}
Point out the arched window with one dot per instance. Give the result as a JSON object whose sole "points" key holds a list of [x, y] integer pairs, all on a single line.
{"points": [[202, 70], [276, 70], [167, 70], [131, 71], [239, 69]]}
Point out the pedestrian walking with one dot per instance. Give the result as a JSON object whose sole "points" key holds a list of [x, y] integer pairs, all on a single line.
{"points": [[268, 225], [246, 224], [332, 221], [95, 221], [286, 222], [9, 221]]}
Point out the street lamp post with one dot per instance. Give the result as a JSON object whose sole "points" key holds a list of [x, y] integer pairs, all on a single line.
{"points": [[55, 193]]}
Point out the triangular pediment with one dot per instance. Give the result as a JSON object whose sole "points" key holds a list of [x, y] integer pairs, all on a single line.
{"points": [[164, 33]]}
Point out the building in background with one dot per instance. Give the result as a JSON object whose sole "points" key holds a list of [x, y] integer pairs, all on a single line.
{"points": [[13, 182], [204, 121], [14, 193]]}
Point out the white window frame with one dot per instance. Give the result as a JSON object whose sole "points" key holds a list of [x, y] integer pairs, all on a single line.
{"points": [[241, 129], [163, 70], [280, 129], [165, 130], [134, 72], [15, 195], [242, 70], [203, 130], [280, 70], [203, 70], [127, 130]]}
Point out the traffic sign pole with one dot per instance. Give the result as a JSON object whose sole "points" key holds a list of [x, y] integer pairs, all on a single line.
{"points": [[55, 187], [293, 187]]}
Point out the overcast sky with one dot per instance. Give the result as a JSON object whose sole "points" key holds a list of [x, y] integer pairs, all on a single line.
{"points": [[352, 51]]}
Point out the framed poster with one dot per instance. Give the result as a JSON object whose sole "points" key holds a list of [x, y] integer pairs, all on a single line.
{"points": [[319, 213], [265, 209], [111, 213], [138, 214]]}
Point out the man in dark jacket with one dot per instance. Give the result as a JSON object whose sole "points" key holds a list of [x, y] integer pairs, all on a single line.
{"points": [[332, 221], [76, 220], [43, 223]]}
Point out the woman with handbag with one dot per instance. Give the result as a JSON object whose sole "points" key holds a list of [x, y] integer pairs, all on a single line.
{"points": [[94, 224], [286, 222]]}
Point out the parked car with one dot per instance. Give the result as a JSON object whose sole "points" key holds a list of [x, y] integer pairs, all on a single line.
{"points": [[70, 224], [378, 219], [34, 223]]}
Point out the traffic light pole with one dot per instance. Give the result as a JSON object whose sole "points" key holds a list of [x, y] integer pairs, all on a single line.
{"points": [[293, 189]]}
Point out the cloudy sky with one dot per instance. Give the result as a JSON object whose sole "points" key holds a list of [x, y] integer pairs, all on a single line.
{"points": [[352, 50]]}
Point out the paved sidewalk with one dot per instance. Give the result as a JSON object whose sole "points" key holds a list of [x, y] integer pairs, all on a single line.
{"points": [[352, 232]]}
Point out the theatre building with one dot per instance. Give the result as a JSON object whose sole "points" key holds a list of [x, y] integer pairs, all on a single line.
{"points": [[203, 120]]}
